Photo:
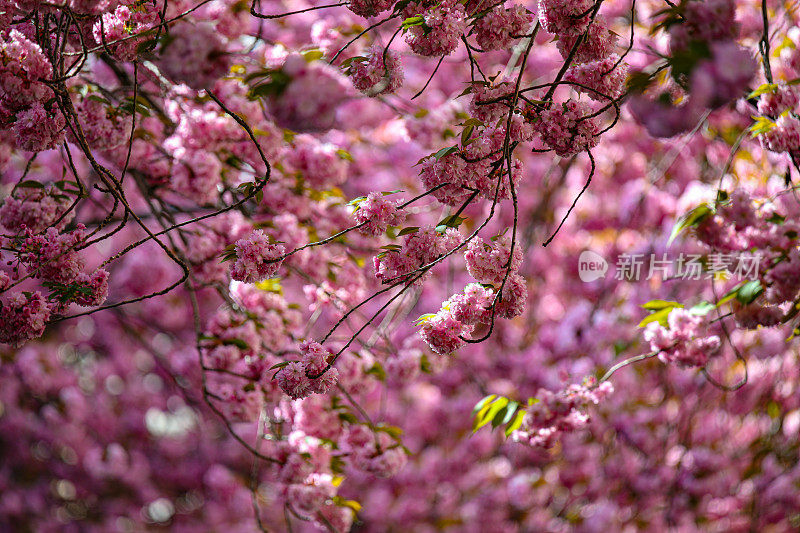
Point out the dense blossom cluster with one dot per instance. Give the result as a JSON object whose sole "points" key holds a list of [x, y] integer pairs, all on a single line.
{"points": [[25, 101], [494, 265], [568, 128], [443, 24], [420, 250], [746, 223], [380, 72], [207, 301], [497, 29], [553, 413], [684, 342], [716, 76], [256, 258], [376, 212]]}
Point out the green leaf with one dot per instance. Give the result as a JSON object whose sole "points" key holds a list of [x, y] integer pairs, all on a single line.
{"points": [[488, 413], [424, 318], [98, 98], [140, 106], [730, 295], [348, 417], [775, 218], [393, 431], [498, 418], [702, 309], [482, 402], [515, 423], [656, 305], [763, 89], [377, 370], [417, 20], [452, 221], [29, 184], [692, 218], [239, 343], [279, 365], [408, 230], [659, 316], [510, 410], [312, 55], [637, 82], [350, 504], [425, 364], [445, 152], [356, 201], [344, 154], [349, 61], [761, 126], [748, 292], [278, 81], [466, 133]]}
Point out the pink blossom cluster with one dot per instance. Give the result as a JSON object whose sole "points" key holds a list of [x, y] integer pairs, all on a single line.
{"points": [[23, 316], [25, 102], [783, 97], [568, 127], [121, 30], [490, 103], [379, 72], [103, 128], [492, 265], [703, 22], [599, 42], [473, 306], [321, 165], [296, 109], [116, 421], [684, 342], [53, 256], [565, 17], [477, 167], [35, 209], [372, 452], [377, 212], [756, 226], [443, 333], [489, 262], [601, 79], [37, 128], [311, 375], [550, 414], [446, 174], [420, 248], [498, 28], [369, 8], [256, 258], [444, 24], [194, 54], [785, 135]]}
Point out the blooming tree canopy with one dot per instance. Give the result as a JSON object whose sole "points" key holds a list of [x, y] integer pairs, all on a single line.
{"points": [[396, 265]]}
